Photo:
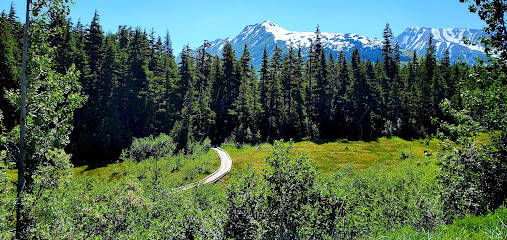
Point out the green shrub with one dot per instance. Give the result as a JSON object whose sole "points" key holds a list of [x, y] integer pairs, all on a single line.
{"points": [[134, 206], [473, 180], [379, 199], [144, 148], [7, 201], [292, 199], [288, 200], [491, 226]]}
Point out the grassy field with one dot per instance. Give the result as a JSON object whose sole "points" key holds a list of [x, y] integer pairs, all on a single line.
{"points": [[115, 170], [332, 155], [329, 155]]}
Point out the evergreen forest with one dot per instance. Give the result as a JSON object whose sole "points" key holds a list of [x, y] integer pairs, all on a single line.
{"points": [[135, 88]]}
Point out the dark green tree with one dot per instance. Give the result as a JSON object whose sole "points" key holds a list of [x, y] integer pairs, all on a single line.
{"points": [[10, 53], [184, 130], [274, 96], [93, 43]]}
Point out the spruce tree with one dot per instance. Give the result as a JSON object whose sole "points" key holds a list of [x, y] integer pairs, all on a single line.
{"points": [[322, 93], [342, 100], [428, 95], [359, 95], [245, 102], [263, 92], [93, 43], [231, 83], [288, 88], [218, 133], [9, 66], [61, 40], [184, 130], [168, 45], [137, 83], [387, 50], [300, 117], [204, 85], [274, 97]]}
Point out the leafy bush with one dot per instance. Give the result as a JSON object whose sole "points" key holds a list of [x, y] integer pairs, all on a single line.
{"points": [[144, 148], [285, 201], [291, 199], [473, 180], [474, 176], [380, 199], [7, 200], [491, 226], [287, 198], [139, 204]]}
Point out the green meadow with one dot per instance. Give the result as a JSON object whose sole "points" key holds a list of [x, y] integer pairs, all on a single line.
{"points": [[332, 155], [329, 155]]}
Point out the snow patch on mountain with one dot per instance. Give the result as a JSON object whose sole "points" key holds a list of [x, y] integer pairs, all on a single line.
{"points": [[268, 34], [452, 39], [335, 41]]}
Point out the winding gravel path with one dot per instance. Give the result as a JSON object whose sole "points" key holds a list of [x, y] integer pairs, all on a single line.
{"points": [[225, 168]]}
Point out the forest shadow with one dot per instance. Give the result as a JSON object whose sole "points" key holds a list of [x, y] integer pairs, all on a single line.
{"points": [[342, 140], [92, 165]]}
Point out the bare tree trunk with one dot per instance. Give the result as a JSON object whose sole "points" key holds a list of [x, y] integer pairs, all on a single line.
{"points": [[22, 127]]}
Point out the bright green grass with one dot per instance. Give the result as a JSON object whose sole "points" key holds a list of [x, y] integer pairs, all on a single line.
{"points": [[115, 170], [333, 155], [491, 226]]}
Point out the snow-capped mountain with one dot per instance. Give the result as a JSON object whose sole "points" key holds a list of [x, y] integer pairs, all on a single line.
{"points": [[269, 33], [416, 38]]}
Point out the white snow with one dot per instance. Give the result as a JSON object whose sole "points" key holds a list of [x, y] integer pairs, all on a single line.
{"points": [[332, 40], [414, 38]]}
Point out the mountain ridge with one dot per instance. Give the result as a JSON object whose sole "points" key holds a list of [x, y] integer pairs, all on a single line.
{"points": [[267, 34]]}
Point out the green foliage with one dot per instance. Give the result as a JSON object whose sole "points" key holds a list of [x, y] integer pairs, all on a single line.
{"points": [[10, 53], [135, 200], [52, 98], [474, 176], [245, 198], [290, 198], [283, 201], [493, 13], [137, 90], [7, 196], [491, 226], [381, 199], [150, 147], [291, 182]]}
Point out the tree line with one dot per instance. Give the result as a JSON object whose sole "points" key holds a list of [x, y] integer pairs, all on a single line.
{"points": [[136, 88]]}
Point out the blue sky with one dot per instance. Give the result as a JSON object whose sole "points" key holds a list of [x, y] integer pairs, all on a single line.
{"points": [[192, 21]]}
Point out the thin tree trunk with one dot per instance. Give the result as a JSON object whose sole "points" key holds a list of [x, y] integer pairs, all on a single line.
{"points": [[22, 127]]}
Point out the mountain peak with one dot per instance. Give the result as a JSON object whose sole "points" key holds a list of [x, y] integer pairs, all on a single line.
{"points": [[262, 28], [268, 24], [272, 27]]}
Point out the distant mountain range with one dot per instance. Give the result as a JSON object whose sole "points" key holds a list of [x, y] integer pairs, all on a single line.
{"points": [[416, 38], [269, 33]]}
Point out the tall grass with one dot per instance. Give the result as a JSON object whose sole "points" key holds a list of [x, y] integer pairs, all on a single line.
{"points": [[490, 226]]}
